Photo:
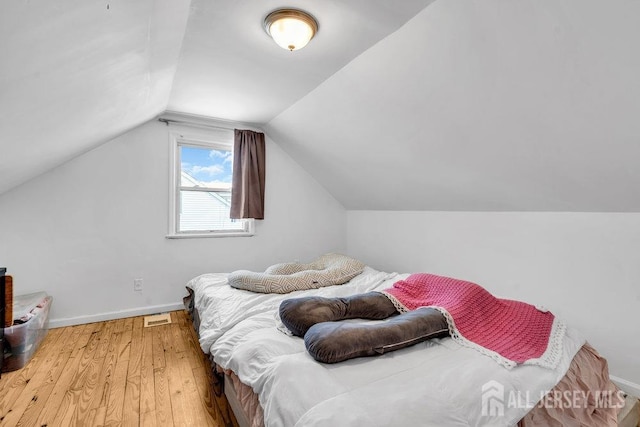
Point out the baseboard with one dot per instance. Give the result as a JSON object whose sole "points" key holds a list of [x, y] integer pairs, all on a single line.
{"points": [[80, 320], [627, 386]]}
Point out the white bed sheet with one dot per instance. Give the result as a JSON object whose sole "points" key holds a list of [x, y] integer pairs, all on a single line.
{"points": [[436, 383]]}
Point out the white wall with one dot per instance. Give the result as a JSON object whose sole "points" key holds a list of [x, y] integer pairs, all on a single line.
{"points": [[83, 231], [585, 267]]}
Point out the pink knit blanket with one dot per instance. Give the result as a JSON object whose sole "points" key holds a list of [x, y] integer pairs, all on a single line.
{"points": [[512, 332]]}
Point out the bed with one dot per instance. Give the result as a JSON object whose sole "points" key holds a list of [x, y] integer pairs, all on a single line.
{"points": [[271, 380]]}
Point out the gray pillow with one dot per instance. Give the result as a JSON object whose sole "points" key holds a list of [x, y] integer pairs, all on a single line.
{"points": [[299, 314], [332, 342]]}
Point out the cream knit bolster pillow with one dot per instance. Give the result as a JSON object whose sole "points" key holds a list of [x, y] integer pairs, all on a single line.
{"points": [[329, 269]]}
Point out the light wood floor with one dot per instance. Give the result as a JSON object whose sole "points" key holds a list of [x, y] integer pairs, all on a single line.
{"points": [[115, 373]]}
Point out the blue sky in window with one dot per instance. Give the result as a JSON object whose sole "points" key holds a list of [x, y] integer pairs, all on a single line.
{"points": [[210, 167]]}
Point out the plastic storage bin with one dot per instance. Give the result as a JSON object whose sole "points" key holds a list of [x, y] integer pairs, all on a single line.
{"points": [[22, 341]]}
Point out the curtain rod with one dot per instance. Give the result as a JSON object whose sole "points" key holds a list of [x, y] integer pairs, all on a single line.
{"points": [[185, 122]]}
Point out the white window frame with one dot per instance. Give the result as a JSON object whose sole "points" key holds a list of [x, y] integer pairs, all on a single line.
{"points": [[216, 140]]}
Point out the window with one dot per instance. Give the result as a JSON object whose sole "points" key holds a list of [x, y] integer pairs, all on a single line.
{"points": [[201, 186]]}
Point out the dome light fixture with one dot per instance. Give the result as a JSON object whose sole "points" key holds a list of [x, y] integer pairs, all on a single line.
{"points": [[291, 29]]}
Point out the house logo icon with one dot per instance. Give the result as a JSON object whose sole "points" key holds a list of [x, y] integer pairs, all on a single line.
{"points": [[492, 399]]}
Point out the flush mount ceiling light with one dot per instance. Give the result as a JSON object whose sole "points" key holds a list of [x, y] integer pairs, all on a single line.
{"points": [[291, 29]]}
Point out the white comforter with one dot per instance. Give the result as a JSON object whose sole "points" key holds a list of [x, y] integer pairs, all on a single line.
{"points": [[437, 383]]}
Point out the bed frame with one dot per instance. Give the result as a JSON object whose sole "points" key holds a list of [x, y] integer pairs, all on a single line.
{"points": [[630, 414], [231, 394]]}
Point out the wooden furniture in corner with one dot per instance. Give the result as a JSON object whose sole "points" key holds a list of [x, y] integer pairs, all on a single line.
{"points": [[8, 301], [6, 308], [2, 316]]}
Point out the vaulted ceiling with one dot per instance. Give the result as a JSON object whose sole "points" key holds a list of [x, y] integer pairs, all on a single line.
{"points": [[524, 105], [76, 73], [461, 105]]}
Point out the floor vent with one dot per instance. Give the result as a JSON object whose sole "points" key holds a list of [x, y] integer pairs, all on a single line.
{"points": [[157, 320]]}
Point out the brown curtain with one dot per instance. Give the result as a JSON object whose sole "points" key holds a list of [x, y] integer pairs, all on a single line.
{"points": [[247, 191]]}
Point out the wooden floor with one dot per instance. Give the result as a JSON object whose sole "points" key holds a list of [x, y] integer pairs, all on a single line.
{"points": [[115, 373]]}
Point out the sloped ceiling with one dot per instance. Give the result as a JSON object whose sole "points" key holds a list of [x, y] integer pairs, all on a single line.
{"points": [[230, 69], [489, 105], [470, 105], [76, 73]]}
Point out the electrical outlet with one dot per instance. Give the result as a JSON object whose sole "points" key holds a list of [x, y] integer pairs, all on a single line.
{"points": [[137, 285]]}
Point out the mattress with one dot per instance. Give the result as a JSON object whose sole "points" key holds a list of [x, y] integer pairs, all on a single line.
{"points": [[240, 331], [587, 372]]}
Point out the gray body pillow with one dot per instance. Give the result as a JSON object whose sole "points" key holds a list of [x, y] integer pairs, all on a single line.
{"points": [[299, 314], [328, 340], [332, 342]]}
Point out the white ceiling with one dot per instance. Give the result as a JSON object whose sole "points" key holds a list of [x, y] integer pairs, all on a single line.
{"points": [[231, 69], [486, 105], [76, 73], [472, 105]]}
